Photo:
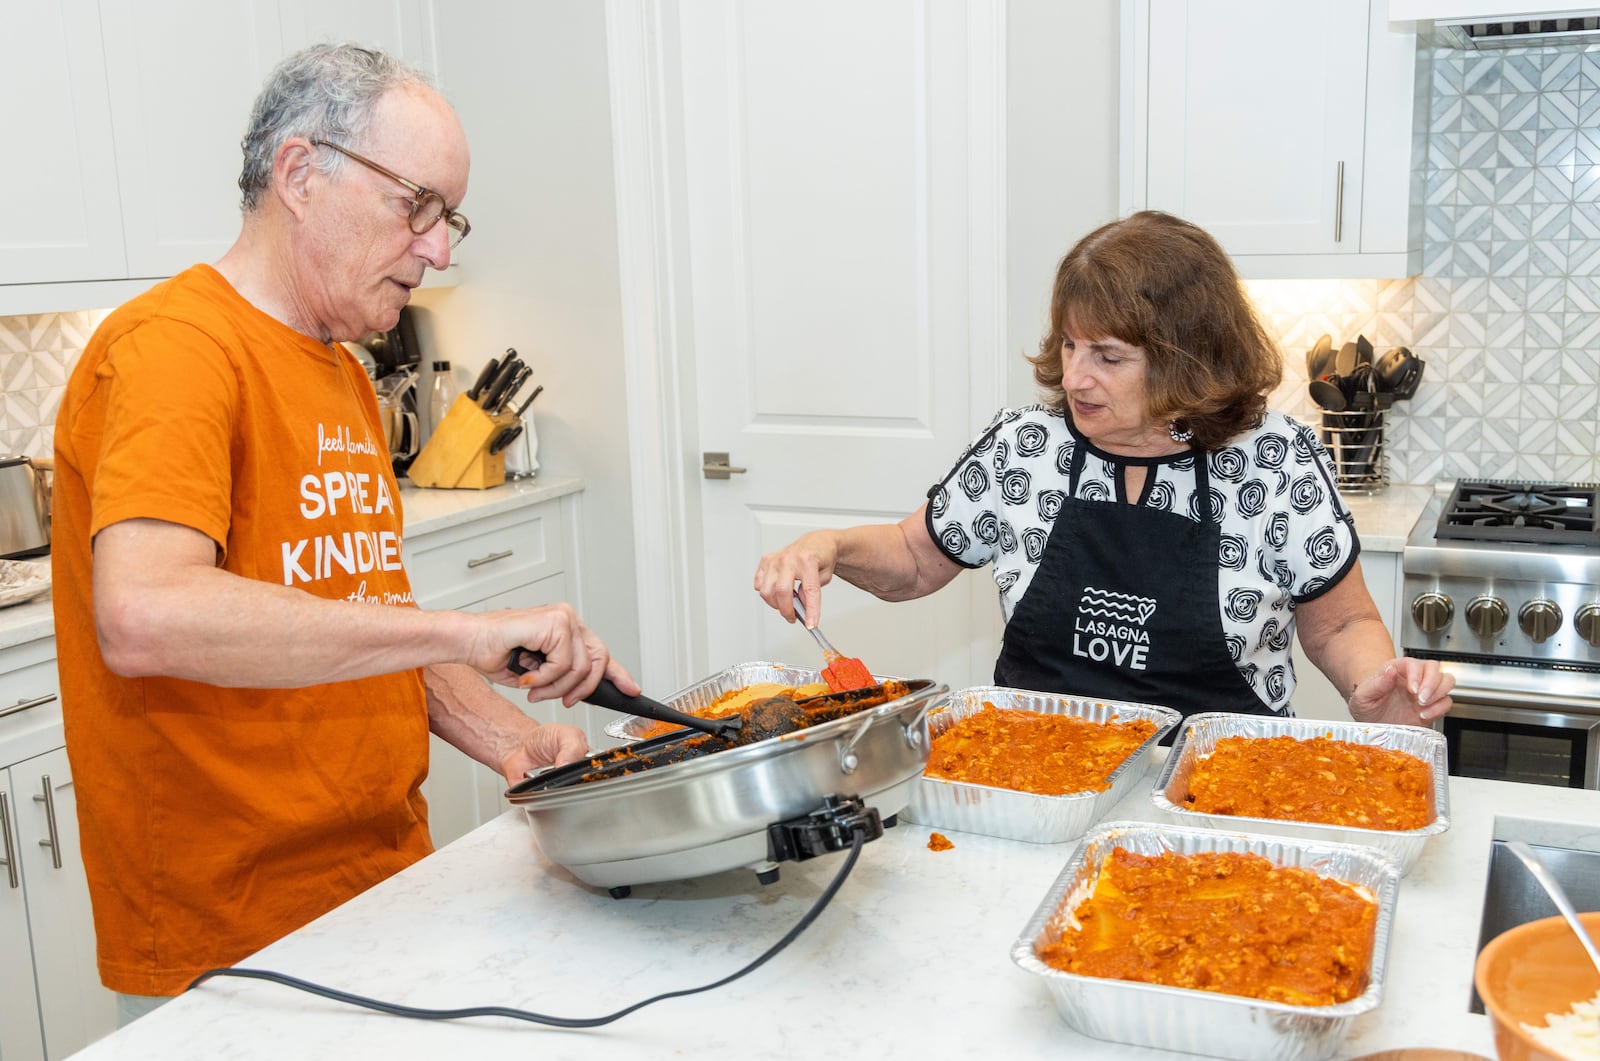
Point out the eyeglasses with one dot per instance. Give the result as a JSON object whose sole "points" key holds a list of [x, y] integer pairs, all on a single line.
{"points": [[428, 206]]}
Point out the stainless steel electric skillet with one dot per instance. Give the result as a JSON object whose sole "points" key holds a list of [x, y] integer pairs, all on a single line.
{"points": [[690, 804]]}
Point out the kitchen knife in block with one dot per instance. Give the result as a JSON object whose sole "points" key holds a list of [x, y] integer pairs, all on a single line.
{"points": [[458, 453]]}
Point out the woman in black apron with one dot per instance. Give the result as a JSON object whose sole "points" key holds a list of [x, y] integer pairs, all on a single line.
{"points": [[1157, 535], [1176, 656]]}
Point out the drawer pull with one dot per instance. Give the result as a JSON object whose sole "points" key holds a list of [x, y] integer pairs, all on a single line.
{"points": [[49, 801], [491, 558], [23, 705], [10, 861]]}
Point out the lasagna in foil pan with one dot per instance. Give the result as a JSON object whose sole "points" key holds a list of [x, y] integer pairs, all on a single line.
{"points": [[703, 693], [1205, 1022], [991, 811], [1199, 736]]}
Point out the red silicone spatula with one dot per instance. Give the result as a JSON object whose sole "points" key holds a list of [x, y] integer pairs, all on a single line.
{"points": [[842, 673]]}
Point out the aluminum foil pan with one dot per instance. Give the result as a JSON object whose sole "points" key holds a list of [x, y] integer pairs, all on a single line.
{"points": [[1004, 812], [1204, 1022], [702, 693], [1199, 736]]}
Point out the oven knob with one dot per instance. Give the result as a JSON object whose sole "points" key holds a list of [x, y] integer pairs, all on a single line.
{"points": [[1487, 615], [1432, 611], [1539, 618], [1587, 623]]}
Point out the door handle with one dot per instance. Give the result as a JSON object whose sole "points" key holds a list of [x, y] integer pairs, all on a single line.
{"points": [[10, 861], [49, 801], [1338, 205], [716, 466]]}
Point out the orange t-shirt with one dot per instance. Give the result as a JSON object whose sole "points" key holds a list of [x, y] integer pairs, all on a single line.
{"points": [[214, 820]]}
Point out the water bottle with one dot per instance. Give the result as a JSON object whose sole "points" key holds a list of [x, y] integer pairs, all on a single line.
{"points": [[444, 392]]}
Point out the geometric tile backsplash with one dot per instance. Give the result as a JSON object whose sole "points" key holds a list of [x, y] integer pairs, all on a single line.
{"points": [[1506, 312], [36, 353]]}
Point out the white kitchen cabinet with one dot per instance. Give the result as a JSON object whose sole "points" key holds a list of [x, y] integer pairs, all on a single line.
{"points": [[1287, 131], [515, 559], [51, 1001], [1315, 696], [59, 183], [182, 75], [135, 110]]}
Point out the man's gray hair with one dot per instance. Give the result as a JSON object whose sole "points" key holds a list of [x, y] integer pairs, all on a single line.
{"points": [[326, 91]]}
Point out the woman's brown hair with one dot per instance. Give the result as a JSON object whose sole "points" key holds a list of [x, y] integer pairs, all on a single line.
{"points": [[1163, 284]]}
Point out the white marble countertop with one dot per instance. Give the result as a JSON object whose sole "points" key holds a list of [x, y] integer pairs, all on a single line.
{"points": [[910, 961], [1385, 519], [30, 621], [424, 510], [427, 509]]}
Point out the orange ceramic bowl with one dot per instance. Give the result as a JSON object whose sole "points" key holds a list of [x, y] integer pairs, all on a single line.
{"points": [[1529, 972]]}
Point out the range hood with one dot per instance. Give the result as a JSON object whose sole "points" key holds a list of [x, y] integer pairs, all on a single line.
{"points": [[1502, 23]]}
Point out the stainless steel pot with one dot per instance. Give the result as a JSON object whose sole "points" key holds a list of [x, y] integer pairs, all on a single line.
{"points": [[24, 506], [710, 814]]}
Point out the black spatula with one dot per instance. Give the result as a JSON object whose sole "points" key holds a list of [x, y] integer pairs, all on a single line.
{"points": [[608, 696]]}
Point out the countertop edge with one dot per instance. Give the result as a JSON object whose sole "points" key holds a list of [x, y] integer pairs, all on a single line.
{"points": [[1384, 520], [427, 510]]}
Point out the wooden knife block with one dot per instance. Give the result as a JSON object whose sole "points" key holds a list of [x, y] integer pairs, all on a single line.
{"points": [[457, 455]]}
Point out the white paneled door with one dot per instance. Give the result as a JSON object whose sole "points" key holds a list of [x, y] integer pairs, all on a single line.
{"points": [[842, 179]]}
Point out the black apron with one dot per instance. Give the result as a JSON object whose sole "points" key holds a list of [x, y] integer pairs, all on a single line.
{"points": [[1124, 606]]}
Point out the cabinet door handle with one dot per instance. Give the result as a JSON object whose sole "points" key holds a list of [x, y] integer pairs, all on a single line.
{"points": [[491, 558], [24, 705], [54, 843], [1338, 205], [10, 861]]}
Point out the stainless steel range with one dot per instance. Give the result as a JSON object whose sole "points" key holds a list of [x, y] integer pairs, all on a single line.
{"points": [[1502, 585]]}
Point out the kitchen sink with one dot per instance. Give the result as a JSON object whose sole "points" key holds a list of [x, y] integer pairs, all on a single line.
{"points": [[1513, 897]]}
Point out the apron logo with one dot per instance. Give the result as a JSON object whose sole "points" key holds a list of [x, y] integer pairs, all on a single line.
{"points": [[1110, 627]]}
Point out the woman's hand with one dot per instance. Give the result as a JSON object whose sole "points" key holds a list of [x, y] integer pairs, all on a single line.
{"points": [[891, 561], [808, 560], [1404, 691]]}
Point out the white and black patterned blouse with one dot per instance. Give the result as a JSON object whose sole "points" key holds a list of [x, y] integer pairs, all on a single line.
{"points": [[1287, 536]]}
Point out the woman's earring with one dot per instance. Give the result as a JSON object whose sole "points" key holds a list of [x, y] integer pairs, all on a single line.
{"points": [[1179, 434]]}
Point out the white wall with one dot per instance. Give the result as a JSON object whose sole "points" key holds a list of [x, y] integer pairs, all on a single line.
{"points": [[1061, 154], [530, 84]]}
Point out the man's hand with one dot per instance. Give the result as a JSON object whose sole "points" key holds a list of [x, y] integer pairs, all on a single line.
{"points": [[552, 744], [574, 658]]}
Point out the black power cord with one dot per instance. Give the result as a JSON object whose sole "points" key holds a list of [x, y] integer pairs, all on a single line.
{"points": [[859, 837]]}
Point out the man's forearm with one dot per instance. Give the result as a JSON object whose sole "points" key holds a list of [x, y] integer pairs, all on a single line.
{"points": [[467, 713], [162, 607]]}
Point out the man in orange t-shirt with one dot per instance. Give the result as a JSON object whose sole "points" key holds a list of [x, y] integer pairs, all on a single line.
{"points": [[247, 684]]}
